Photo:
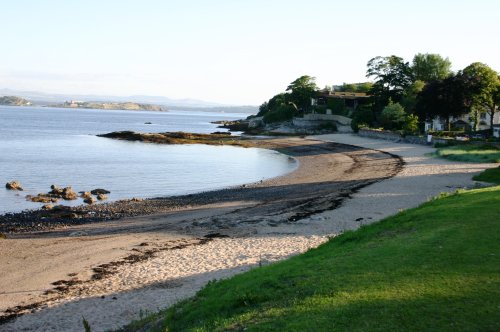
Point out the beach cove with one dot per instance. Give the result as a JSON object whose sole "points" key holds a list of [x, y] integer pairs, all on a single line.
{"points": [[119, 269]]}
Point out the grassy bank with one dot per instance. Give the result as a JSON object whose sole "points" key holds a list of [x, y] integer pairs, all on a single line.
{"points": [[436, 267], [491, 175], [470, 153]]}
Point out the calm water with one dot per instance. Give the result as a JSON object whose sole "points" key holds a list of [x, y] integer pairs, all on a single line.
{"points": [[44, 146]]}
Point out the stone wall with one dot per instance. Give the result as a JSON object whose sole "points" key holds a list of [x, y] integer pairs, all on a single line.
{"points": [[343, 120]]}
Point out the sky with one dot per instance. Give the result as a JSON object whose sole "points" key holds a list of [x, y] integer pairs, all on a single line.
{"points": [[232, 52]]}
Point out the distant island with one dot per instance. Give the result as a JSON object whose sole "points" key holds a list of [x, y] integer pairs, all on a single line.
{"points": [[111, 106], [14, 101]]}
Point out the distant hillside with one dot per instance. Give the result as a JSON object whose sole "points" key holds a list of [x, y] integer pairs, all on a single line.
{"points": [[42, 98], [14, 101], [219, 109], [112, 106]]}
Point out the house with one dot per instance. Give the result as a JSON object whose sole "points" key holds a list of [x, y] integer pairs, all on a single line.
{"points": [[346, 100], [463, 122]]}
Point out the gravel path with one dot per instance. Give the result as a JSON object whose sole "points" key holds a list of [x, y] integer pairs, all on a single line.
{"points": [[172, 275]]}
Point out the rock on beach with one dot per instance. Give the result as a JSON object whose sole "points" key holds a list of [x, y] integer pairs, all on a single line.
{"points": [[99, 191], [13, 185]]}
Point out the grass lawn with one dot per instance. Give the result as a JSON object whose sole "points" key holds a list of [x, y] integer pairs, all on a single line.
{"points": [[436, 267], [470, 153], [491, 175]]}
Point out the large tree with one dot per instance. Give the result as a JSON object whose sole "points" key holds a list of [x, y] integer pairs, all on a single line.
{"points": [[443, 98], [430, 67], [483, 86], [301, 91], [392, 77]]}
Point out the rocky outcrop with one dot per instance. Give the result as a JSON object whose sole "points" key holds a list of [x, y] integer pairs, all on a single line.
{"points": [[14, 101], [102, 197], [47, 207], [89, 200], [85, 194], [64, 193], [13, 185], [99, 191], [42, 198]]}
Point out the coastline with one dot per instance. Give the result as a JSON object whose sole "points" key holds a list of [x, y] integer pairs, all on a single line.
{"points": [[328, 193], [42, 220]]}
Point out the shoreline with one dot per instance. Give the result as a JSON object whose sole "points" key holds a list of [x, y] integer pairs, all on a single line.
{"points": [[63, 216], [152, 262], [38, 220], [327, 174]]}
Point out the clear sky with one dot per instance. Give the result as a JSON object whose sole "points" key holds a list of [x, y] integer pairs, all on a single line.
{"points": [[234, 51]]}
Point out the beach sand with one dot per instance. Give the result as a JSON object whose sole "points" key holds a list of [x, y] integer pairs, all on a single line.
{"points": [[112, 272]]}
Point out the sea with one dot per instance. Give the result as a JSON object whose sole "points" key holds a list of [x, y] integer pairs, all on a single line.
{"points": [[42, 146]]}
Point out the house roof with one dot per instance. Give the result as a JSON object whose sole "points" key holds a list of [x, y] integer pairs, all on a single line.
{"points": [[343, 95]]}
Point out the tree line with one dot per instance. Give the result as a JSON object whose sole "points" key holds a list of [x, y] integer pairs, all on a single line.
{"points": [[403, 94]]}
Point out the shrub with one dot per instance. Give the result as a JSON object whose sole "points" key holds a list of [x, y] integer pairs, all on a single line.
{"points": [[410, 125], [337, 106], [393, 117], [363, 117], [282, 113]]}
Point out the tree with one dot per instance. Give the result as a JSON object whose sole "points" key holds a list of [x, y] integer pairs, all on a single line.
{"points": [[362, 117], [483, 86], [354, 87], [393, 117], [392, 77], [263, 109], [444, 98], [430, 67], [410, 125], [409, 99], [281, 113], [301, 91]]}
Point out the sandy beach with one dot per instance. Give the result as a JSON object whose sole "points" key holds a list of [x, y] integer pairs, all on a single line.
{"points": [[112, 272]]}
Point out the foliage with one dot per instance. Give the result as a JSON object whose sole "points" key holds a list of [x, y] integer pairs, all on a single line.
{"points": [[337, 106], [410, 125], [281, 113], [285, 105], [431, 268], [263, 108], [362, 117], [301, 91], [86, 325], [392, 77], [393, 117], [409, 99], [430, 67], [364, 87], [471, 153], [443, 98], [446, 133], [483, 87], [491, 175]]}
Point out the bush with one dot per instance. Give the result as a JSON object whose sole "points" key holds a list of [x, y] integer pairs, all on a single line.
{"points": [[337, 106], [363, 117], [282, 113], [410, 125], [393, 117]]}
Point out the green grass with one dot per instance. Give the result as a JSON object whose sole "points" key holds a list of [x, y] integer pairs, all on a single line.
{"points": [[491, 175], [470, 153], [435, 268]]}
